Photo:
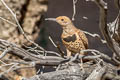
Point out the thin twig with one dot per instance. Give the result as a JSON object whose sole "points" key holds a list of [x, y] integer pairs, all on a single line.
{"points": [[57, 46], [84, 17], [7, 21], [52, 42], [97, 73], [10, 69], [5, 52], [2, 62], [74, 9], [6, 65], [103, 55], [95, 35], [98, 52]]}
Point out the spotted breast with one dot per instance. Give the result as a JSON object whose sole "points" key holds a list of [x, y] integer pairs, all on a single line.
{"points": [[74, 42]]}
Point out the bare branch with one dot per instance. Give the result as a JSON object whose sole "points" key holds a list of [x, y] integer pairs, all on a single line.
{"points": [[43, 60], [58, 48], [5, 52], [95, 35], [104, 28], [10, 69], [98, 52], [40, 59], [72, 72], [74, 9], [7, 21], [19, 26], [97, 73]]}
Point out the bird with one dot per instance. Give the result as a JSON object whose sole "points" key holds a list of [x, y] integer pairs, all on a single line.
{"points": [[73, 38]]}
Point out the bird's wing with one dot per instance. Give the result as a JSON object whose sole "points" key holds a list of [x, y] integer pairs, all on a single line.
{"points": [[83, 38]]}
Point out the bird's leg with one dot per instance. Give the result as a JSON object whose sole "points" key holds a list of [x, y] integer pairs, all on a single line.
{"points": [[81, 65], [68, 53], [81, 62], [68, 56]]}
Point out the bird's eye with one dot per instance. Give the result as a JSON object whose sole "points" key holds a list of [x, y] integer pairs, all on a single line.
{"points": [[62, 19]]}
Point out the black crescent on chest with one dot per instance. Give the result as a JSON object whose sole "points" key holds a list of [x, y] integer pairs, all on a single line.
{"points": [[70, 38]]}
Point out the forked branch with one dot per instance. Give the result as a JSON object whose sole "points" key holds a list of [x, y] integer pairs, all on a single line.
{"points": [[104, 27]]}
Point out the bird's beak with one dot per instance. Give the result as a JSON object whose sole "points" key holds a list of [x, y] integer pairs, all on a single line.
{"points": [[51, 19]]}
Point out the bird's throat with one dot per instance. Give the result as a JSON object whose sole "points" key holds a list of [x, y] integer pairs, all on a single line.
{"points": [[69, 29]]}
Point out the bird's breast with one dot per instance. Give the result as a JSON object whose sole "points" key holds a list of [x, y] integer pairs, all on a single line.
{"points": [[71, 38], [73, 43]]}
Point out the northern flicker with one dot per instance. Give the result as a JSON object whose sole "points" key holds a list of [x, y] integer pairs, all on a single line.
{"points": [[73, 38]]}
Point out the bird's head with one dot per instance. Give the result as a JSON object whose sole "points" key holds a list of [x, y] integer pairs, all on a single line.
{"points": [[62, 20]]}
